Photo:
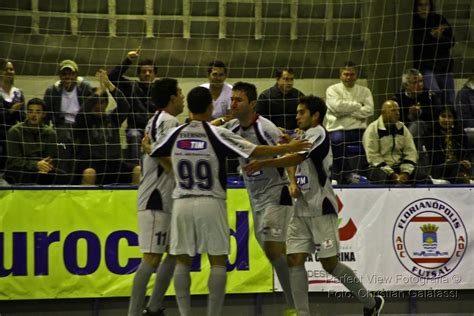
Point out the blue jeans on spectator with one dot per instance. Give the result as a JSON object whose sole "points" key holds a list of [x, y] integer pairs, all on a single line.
{"points": [[442, 84], [347, 162], [134, 144]]}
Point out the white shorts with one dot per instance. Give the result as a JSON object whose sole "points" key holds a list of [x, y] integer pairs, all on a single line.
{"points": [[198, 225], [271, 224], [308, 233], [153, 231]]}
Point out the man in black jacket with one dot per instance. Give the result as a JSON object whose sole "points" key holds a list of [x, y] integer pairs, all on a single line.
{"points": [[138, 93], [417, 105]]}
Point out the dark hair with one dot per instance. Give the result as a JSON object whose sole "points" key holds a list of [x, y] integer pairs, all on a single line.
{"points": [[216, 63], [199, 99], [37, 101], [146, 62], [162, 90], [415, 6], [279, 71], [315, 104], [349, 64], [249, 89]]}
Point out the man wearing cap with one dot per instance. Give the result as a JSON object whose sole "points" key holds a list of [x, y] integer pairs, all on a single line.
{"points": [[64, 100]]}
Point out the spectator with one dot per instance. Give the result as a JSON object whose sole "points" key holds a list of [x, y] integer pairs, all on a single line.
{"points": [[12, 101], [417, 105], [390, 149], [432, 41], [448, 149], [220, 90], [63, 101], [279, 102], [138, 93], [349, 107], [465, 104], [100, 158], [32, 149]]}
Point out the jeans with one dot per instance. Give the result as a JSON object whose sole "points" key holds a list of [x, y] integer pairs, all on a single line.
{"points": [[348, 153], [134, 144], [442, 84]]}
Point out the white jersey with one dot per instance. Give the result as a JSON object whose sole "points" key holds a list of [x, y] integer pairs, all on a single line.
{"points": [[263, 184], [314, 175], [156, 186], [198, 151]]}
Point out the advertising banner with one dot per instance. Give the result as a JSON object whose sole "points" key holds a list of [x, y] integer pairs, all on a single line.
{"points": [[402, 239], [83, 243]]}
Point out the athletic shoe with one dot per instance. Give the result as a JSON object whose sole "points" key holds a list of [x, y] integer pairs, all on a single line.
{"points": [[160, 312], [290, 312], [375, 311]]}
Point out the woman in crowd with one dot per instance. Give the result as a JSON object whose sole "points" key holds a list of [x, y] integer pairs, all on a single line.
{"points": [[12, 102], [448, 149]]}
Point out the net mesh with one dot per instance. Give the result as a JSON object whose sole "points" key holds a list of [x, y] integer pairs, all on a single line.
{"points": [[253, 38]]}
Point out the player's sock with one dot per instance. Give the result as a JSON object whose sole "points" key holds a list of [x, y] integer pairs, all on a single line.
{"points": [[346, 276], [182, 284], [162, 281], [281, 269], [216, 285], [140, 281], [299, 289]]}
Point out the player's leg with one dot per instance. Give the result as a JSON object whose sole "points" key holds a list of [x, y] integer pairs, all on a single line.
{"points": [[216, 284], [183, 246], [182, 283], [274, 232], [212, 234], [327, 236], [164, 274], [165, 269], [152, 225], [300, 244]]}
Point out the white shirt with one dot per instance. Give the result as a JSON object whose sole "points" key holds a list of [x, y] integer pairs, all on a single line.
{"points": [[348, 108], [198, 151], [314, 176], [70, 105], [155, 181], [222, 103]]}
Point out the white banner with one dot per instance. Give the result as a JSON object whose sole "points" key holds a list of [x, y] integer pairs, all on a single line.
{"points": [[403, 239]]}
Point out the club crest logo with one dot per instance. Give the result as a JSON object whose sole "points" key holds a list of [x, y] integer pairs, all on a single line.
{"points": [[429, 238]]}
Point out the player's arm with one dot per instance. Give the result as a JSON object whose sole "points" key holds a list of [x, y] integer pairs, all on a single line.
{"points": [[293, 187], [165, 162], [281, 162], [293, 146]]}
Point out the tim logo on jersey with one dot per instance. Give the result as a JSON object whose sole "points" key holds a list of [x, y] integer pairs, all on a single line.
{"points": [[192, 144], [429, 238], [301, 180]]}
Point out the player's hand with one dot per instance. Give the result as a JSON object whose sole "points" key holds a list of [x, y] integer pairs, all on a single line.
{"points": [[299, 145], [132, 55], [146, 144], [284, 139], [253, 166], [295, 191], [45, 165]]}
